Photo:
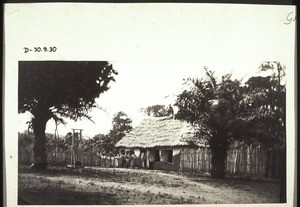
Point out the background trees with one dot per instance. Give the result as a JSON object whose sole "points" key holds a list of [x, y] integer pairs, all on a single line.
{"points": [[103, 143], [264, 113], [212, 106], [63, 88], [121, 124], [158, 110], [264, 106]]}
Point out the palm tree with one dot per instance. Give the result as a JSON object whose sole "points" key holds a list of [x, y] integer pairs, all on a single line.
{"points": [[57, 121], [213, 108]]}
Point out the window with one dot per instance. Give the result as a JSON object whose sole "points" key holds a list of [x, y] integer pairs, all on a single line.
{"points": [[170, 155], [156, 156], [167, 155]]}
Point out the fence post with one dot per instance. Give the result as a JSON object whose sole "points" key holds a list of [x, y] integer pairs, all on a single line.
{"points": [[248, 159]]}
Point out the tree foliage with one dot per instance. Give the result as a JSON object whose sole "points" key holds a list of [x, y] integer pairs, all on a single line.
{"points": [[225, 111], [158, 110], [25, 139], [104, 143], [264, 108], [121, 124], [66, 88], [212, 106], [59, 88], [264, 114]]}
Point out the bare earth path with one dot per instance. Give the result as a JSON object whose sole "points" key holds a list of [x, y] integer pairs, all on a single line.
{"points": [[134, 186]]}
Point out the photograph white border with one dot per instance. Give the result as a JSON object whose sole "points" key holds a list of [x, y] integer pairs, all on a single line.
{"points": [[31, 25]]}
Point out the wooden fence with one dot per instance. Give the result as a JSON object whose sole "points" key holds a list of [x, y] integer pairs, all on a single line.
{"points": [[60, 157], [241, 160], [87, 158], [26, 154]]}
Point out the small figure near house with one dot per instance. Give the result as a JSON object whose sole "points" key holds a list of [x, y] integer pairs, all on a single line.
{"points": [[107, 160], [128, 160], [110, 159], [170, 110], [117, 160], [143, 160], [133, 160], [103, 160], [123, 160], [151, 160]]}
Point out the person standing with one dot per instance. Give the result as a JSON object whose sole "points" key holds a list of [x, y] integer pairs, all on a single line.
{"points": [[151, 160], [127, 158], [143, 159], [123, 160], [133, 160], [117, 158], [103, 160]]}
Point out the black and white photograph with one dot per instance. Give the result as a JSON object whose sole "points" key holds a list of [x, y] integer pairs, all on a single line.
{"points": [[149, 104]]}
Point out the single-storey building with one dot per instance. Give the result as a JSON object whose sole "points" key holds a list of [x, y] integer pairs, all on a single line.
{"points": [[158, 142]]}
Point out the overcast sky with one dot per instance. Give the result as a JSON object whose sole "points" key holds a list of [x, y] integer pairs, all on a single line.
{"points": [[155, 46]]}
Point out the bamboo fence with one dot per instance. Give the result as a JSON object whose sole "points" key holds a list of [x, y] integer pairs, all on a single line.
{"points": [[242, 160]]}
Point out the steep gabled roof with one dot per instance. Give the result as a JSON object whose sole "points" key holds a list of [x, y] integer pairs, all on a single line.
{"points": [[159, 132]]}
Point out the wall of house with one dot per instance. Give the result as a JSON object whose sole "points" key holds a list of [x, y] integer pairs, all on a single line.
{"points": [[176, 157], [176, 151], [147, 158], [164, 164]]}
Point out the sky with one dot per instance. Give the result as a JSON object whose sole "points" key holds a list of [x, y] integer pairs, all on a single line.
{"points": [[155, 46]]}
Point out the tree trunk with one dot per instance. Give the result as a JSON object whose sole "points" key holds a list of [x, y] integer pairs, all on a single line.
{"points": [[282, 193], [39, 125], [219, 154]]}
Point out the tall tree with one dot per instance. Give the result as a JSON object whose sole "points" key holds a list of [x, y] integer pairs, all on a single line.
{"points": [[57, 121], [104, 142], [122, 124], [212, 107], [264, 113], [64, 88]]}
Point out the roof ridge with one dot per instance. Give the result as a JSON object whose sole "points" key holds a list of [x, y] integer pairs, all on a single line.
{"points": [[160, 118]]}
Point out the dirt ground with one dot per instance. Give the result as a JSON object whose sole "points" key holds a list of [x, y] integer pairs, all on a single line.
{"points": [[100, 186]]}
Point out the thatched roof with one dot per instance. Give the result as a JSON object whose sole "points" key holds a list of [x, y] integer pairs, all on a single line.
{"points": [[159, 132]]}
